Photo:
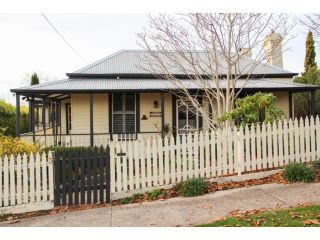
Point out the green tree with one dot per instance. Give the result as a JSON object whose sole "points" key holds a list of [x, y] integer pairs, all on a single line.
{"points": [[310, 58], [34, 79], [302, 100], [259, 107], [8, 119]]}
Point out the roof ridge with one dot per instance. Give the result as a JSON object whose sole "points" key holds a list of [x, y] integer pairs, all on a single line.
{"points": [[101, 60]]}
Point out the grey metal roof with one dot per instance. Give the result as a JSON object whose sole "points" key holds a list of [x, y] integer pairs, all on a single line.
{"points": [[105, 85], [133, 62]]}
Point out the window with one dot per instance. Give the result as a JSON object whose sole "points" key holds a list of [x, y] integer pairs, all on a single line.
{"points": [[124, 118], [187, 117], [68, 118]]}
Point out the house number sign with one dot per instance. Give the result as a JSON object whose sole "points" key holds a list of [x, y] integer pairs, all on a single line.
{"points": [[154, 114]]}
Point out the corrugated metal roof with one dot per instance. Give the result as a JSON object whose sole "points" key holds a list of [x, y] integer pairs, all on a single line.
{"points": [[133, 62], [100, 84]]}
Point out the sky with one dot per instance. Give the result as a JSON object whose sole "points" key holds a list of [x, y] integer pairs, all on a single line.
{"points": [[29, 44]]}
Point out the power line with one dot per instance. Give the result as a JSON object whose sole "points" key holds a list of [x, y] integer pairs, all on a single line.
{"points": [[56, 30]]}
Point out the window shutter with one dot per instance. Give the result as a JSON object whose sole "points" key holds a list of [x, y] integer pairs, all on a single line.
{"points": [[124, 119], [130, 123], [117, 123]]}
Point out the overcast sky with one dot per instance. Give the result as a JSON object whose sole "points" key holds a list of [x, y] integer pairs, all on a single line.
{"points": [[29, 44]]}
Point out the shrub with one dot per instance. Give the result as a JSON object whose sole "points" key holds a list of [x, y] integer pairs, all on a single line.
{"points": [[259, 107], [299, 172], [8, 119], [10, 145], [192, 187], [316, 165], [155, 193], [126, 200]]}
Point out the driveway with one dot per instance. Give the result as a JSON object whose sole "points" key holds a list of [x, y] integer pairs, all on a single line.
{"points": [[182, 211]]}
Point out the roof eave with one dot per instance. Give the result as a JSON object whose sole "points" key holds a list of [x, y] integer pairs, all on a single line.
{"points": [[35, 91]]}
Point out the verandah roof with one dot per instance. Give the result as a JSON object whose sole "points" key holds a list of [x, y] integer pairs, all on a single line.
{"points": [[78, 85]]}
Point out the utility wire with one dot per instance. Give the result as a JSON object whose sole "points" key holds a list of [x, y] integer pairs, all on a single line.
{"points": [[56, 30]]}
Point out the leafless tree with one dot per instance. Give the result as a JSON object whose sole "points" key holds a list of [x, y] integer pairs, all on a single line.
{"points": [[211, 51], [312, 21]]}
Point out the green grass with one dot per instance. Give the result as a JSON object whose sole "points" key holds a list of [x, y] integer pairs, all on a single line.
{"points": [[293, 217]]}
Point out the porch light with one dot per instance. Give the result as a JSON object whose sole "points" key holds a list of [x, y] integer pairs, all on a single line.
{"points": [[156, 104]]}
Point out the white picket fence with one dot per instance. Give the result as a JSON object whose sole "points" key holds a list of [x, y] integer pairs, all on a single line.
{"points": [[137, 166], [26, 183]]}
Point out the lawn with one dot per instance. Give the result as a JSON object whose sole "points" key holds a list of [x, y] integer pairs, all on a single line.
{"points": [[292, 217]]}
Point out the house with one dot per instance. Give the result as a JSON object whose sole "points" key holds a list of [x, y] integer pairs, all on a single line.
{"points": [[113, 98]]}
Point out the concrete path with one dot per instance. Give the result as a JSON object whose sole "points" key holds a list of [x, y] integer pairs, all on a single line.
{"points": [[183, 211]]}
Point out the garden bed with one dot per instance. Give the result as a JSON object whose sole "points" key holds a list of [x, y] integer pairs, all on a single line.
{"points": [[163, 194]]}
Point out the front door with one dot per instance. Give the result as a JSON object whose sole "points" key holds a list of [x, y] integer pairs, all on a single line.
{"points": [[187, 118]]}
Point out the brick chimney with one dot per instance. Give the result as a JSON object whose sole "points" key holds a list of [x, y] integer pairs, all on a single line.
{"points": [[273, 49]]}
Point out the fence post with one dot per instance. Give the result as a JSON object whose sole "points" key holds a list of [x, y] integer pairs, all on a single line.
{"points": [[57, 178], [51, 175], [108, 178]]}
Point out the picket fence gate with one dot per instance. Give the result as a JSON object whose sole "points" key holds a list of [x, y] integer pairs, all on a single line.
{"points": [[137, 166], [26, 183]]}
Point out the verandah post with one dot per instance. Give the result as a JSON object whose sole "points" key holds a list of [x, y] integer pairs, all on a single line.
{"points": [[44, 120], [17, 115], [32, 120], [91, 120], [162, 114]]}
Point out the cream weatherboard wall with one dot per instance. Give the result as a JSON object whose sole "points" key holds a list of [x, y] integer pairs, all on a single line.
{"points": [[153, 124], [168, 110], [282, 102], [100, 113], [80, 113]]}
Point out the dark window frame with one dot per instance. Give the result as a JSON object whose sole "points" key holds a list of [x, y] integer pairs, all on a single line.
{"points": [[68, 122]]}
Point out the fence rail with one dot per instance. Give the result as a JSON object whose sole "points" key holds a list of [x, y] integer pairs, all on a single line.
{"points": [[26, 179], [154, 162]]}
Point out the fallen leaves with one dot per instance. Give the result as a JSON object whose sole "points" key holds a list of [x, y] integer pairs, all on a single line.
{"points": [[275, 178], [218, 219], [311, 221]]}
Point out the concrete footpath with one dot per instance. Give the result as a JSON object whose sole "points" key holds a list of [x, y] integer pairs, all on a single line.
{"points": [[182, 211]]}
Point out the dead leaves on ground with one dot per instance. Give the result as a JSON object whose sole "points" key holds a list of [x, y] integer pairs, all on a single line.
{"points": [[274, 178], [311, 221], [306, 218]]}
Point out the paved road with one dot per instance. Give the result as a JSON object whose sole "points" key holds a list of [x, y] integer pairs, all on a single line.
{"points": [[183, 211]]}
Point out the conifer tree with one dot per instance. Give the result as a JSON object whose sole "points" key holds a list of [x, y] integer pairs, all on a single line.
{"points": [[34, 79], [310, 58]]}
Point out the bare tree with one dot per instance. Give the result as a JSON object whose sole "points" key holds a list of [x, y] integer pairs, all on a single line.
{"points": [[211, 52], [312, 21]]}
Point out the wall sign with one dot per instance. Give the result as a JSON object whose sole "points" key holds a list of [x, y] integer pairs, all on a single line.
{"points": [[154, 114]]}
